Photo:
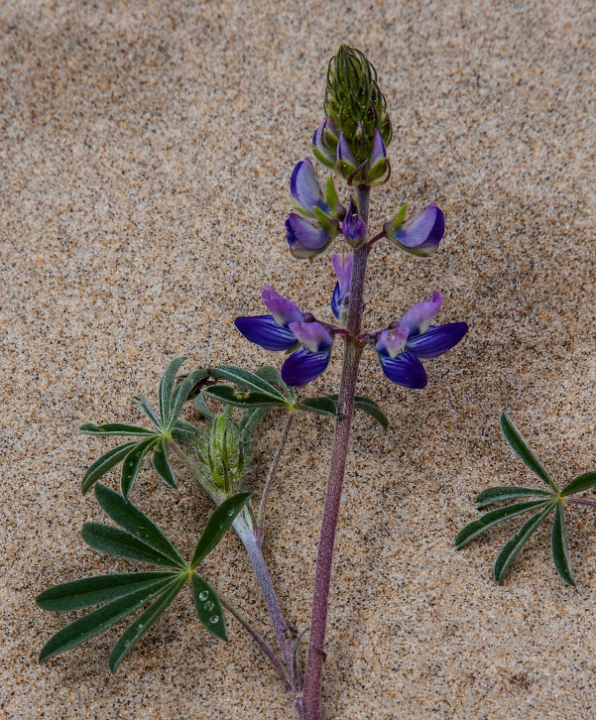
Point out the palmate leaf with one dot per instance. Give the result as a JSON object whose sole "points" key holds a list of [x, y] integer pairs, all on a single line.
{"points": [[83, 593], [321, 406], [228, 395], [248, 380], [132, 463], [137, 524], [106, 462], [516, 543], [579, 484], [492, 518], [209, 609], [141, 626], [501, 494], [520, 447], [368, 406], [220, 520], [559, 546]]}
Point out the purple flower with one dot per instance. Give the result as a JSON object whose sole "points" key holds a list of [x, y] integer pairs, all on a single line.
{"points": [[341, 293], [325, 143], [399, 347], [353, 228], [283, 329], [419, 236], [378, 165], [307, 238], [305, 188]]}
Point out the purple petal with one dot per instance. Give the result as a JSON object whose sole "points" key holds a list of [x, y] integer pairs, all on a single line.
{"points": [[284, 311], [344, 154], [418, 318], [312, 335], [421, 235], [305, 187], [264, 331], [437, 340], [379, 151], [392, 342], [336, 301], [304, 366], [404, 370], [320, 141], [342, 264], [353, 228], [306, 237]]}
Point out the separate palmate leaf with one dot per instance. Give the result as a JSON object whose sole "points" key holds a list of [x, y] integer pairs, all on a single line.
{"points": [[520, 447], [245, 379], [501, 494], [516, 543], [559, 546], [492, 518], [132, 463], [368, 406], [229, 396], [209, 609], [579, 484], [106, 462], [321, 406], [218, 523]]}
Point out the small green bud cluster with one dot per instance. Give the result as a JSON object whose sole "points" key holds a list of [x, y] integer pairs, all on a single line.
{"points": [[224, 453]]}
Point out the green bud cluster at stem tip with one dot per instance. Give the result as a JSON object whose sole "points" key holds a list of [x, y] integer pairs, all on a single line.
{"points": [[355, 102], [224, 453]]}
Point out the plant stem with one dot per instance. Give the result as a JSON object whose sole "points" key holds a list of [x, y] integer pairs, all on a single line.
{"points": [[260, 529], [581, 501], [339, 453]]}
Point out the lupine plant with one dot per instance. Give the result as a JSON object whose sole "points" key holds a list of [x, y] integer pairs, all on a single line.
{"points": [[230, 403]]}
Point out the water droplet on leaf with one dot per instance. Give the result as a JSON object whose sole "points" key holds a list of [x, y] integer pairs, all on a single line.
{"points": [[209, 606], [214, 619], [203, 596]]}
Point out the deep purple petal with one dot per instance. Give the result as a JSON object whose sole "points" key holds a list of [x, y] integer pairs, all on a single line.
{"points": [[312, 335], [437, 340], [404, 370], [419, 317], [320, 142], [305, 187], [306, 237], [304, 366], [379, 151], [264, 331], [336, 301], [283, 310], [344, 154], [421, 235], [353, 228]]}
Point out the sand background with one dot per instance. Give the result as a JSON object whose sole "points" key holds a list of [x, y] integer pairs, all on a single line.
{"points": [[145, 154]]}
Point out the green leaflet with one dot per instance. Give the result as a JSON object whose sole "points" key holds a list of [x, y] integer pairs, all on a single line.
{"points": [[137, 524], [114, 429], [220, 520], [228, 395], [97, 590], [501, 494], [162, 464], [578, 484], [202, 406], [166, 386], [321, 406], [99, 620], [209, 609], [132, 463], [520, 447], [118, 542], [141, 626], [106, 462], [272, 375], [251, 418], [368, 406], [246, 379], [492, 518], [144, 405], [516, 543], [559, 546], [182, 392], [184, 431]]}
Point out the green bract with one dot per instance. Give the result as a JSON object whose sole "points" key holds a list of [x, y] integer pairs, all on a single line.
{"points": [[119, 595], [545, 502]]}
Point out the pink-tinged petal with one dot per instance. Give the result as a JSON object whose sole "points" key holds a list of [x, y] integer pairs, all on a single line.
{"points": [[421, 235], [306, 237], [419, 317], [304, 366], [392, 342], [312, 335], [405, 370], [305, 187], [437, 340], [264, 331], [284, 311]]}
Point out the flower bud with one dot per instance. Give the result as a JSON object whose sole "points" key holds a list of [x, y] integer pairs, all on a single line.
{"points": [[224, 453]]}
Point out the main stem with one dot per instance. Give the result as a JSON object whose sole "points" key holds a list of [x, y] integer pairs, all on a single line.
{"points": [[339, 454]]}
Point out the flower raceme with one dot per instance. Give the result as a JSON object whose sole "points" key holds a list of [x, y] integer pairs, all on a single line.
{"points": [[404, 342]]}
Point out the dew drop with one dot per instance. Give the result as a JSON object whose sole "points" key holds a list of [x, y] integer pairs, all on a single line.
{"points": [[221, 526], [127, 643], [214, 619], [203, 596], [230, 513], [131, 463], [209, 606], [141, 626]]}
